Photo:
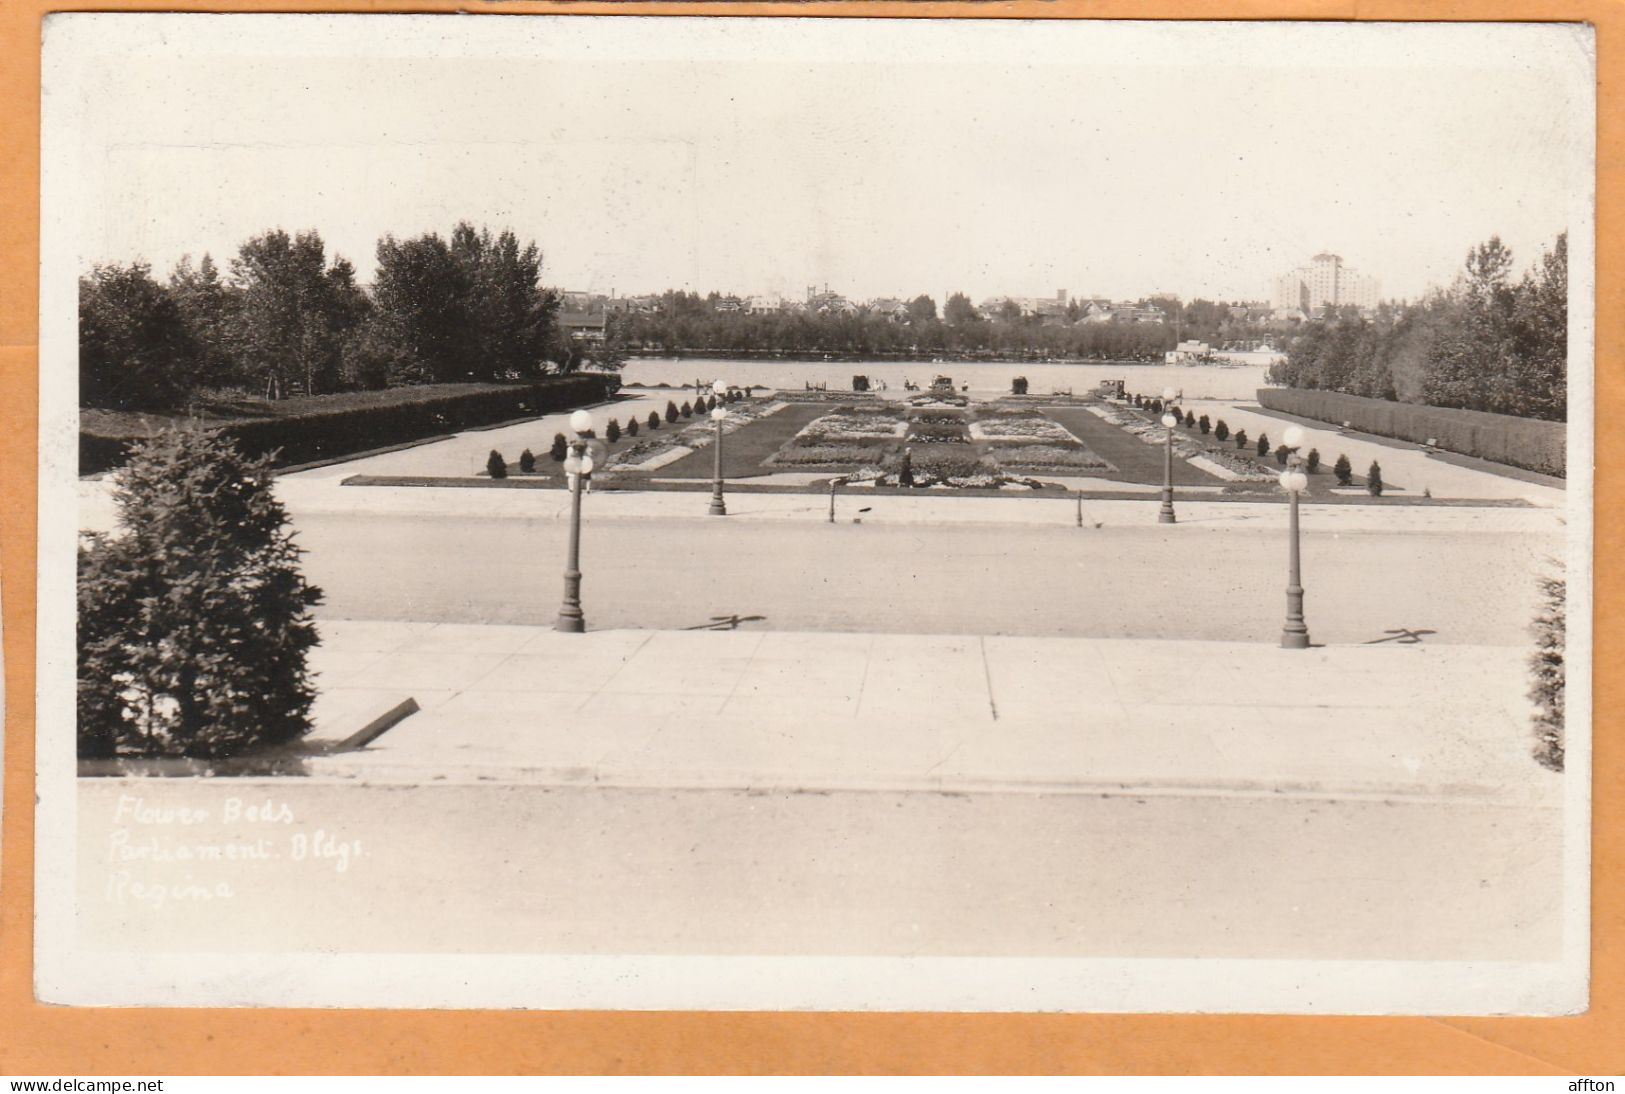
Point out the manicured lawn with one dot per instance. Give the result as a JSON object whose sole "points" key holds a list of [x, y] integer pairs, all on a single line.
{"points": [[1135, 460], [744, 449]]}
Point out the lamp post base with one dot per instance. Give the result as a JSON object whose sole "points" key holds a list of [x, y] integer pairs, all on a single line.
{"points": [[719, 508], [1294, 640], [570, 624], [1167, 517]]}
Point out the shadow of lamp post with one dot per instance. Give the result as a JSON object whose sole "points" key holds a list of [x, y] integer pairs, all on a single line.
{"points": [[719, 508], [1295, 632], [1166, 514], [578, 465]]}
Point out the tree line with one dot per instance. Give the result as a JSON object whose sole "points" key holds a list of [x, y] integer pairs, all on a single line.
{"points": [[1486, 343], [287, 319], [689, 322]]}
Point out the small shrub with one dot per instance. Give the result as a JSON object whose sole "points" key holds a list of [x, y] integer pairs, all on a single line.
{"points": [[1018, 385], [1546, 664], [560, 449], [1221, 432], [654, 419], [1343, 470], [1204, 425], [496, 466], [1373, 480], [1241, 438], [671, 411], [527, 461], [1281, 454], [1312, 462], [686, 410], [1190, 420], [1263, 444], [632, 426], [1136, 399], [1156, 406], [612, 432]]}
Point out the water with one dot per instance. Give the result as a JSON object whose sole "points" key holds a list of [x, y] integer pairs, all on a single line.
{"points": [[987, 379]]}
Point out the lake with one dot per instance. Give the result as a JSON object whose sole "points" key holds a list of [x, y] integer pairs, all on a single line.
{"points": [[986, 378]]}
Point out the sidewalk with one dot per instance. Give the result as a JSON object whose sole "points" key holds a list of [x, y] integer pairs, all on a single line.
{"points": [[742, 709]]}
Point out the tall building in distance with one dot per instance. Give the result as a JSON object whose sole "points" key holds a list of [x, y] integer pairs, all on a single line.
{"points": [[1325, 280]]}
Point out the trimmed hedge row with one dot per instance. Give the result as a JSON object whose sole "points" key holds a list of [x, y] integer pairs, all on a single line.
{"points": [[327, 432], [1522, 442]]}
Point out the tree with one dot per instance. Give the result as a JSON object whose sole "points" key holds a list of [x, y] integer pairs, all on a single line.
{"points": [[1190, 420], [207, 306], [421, 325], [1263, 444], [612, 432], [654, 417], [632, 426], [560, 449], [527, 461], [671, 411], [1241, 438], [293, 312], [959, 311], [194, 622], [1221, 431], [135, 352], [1343, 470], [1312, 462], [511, 319], [1373, 480], [1204, 425], [922, 309], [496, 466]]}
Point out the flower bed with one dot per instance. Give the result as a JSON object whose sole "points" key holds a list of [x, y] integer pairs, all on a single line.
{"points": [[1049, 457], [921, 432], [828, 455]]}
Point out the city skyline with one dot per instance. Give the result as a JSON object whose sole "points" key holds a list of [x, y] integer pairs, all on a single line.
{"points": [[1000, 159]]}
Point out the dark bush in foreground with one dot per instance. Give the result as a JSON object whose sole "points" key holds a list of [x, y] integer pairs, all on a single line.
{"points": [[1263, 445], [560, 449], [632, 426], [1281, 454], [612, 432], [496, 466], [1343, 470], [1204, 425], [194, 624], [1312, 461], [1547, 666], [1190, 419], [527, 461], [1018, 385], [686, 410], [671, 411], [1221, 431], [1373, 480], [1241, 438], [654, 419]]}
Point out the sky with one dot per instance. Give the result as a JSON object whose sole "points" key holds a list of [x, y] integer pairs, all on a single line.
{"points": [[880, 157]]}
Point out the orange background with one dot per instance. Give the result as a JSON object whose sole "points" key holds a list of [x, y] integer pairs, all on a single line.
{"points": [[58, 1041]]}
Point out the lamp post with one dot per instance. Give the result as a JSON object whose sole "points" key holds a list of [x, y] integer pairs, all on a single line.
{"points": [[719, 508], [1166, 514], [577, 466], [1294, 632]]}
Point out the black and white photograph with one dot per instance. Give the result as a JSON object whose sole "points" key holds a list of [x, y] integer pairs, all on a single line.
{"points": [[731, 513]]}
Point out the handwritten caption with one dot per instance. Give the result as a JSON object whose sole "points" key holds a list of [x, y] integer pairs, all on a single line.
{"points": [[156, 850]]}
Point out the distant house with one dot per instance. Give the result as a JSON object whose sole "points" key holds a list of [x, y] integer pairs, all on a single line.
{"points": [[830, 303], [728, 303], [890, 307], [581, 326], [1188, 351]]}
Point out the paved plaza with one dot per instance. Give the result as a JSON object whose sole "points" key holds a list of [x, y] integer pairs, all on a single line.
{"points": [[779, 710]]}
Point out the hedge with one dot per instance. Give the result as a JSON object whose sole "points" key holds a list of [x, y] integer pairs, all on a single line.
{"points": [[328, 427], [1502, 438]]}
